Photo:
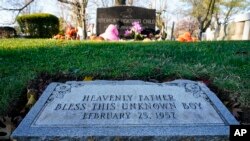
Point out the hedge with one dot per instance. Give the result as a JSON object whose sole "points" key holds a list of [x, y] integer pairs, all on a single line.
{"points": [[7, 32], [39, 25]]}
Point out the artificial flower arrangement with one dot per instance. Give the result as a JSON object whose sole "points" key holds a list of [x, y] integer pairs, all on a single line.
{"points": [[186, 37], [111, 33], [134, 32]]}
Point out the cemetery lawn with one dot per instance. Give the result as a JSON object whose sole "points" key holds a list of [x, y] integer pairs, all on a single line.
{"points": [[224, 64]]}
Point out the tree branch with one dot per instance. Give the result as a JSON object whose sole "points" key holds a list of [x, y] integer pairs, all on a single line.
{"points": [[211, 11], [210, 7], [68, 2], [217, 18], [17, 9], [228, 14]]}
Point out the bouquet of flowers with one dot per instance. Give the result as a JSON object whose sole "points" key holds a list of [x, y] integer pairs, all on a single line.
{"points": [[134, 32], [186, 37]]}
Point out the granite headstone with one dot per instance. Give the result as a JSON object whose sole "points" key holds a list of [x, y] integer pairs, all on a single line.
{"points": [[124, 16], [133, 110]]}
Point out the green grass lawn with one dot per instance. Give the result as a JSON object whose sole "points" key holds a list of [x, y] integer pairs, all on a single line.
{"points": [[226, 64]]}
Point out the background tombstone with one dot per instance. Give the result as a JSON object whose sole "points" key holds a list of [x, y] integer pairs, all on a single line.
{"points": [[203, 36], [242, 29], [230, 28], [124, 16], [210, 34]]}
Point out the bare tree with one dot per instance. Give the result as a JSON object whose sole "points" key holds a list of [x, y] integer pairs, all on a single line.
{"points": [[33, 7], [203, 11], [27, 10], [160, 19], [101, 3], [64, 10], [79, 11], [16, 7], [106, 3], [188, 24], [227, 9]]}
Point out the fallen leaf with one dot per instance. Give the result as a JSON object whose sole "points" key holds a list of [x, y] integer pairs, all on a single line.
{"points": [[91, 139], [117, 139], [31, 92], [31, 97], [236, 112], [6, 128], [31, 101], [88, 78]]}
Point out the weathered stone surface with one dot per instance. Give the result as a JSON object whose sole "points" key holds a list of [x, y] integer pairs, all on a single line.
{"points": [[131, 110], [124, 16]]}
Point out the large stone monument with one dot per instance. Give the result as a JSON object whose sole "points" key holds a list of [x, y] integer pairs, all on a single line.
{"points": [[123, 16], [130, 110]]}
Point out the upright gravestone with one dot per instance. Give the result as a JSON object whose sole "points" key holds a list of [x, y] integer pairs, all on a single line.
{"points": [[131, 110], [124, 16], [242, 27]]}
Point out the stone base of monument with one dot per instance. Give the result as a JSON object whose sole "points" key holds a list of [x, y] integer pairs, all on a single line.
{"points": [[126, 110]]}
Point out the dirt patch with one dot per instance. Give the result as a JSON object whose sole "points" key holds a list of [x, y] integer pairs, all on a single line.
{"points": [[37, 86], [245, 116], [241, 53]]}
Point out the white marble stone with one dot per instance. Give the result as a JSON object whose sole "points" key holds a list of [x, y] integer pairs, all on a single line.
{"points": [[242, 31], [180, 108], [80, 33], [239, 27], [210, 34], [139, 104], [246, 31]]}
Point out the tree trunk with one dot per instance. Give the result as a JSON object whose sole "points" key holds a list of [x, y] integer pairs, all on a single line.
{"points": [[120, 2], [84, 24], [205, 21], [200, 29], [225, 31], [172, 32], [79, 10]]}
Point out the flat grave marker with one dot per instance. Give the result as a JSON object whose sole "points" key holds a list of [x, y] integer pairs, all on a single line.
{"points": [[128, 109]]}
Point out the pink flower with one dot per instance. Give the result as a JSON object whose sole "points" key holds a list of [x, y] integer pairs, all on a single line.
{"points": [[136, 27], [127, 32], [111, 33]]}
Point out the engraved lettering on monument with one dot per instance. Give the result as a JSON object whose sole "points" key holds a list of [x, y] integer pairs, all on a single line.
{"points": [[126, 108], [124, 105], [124, 16]]}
